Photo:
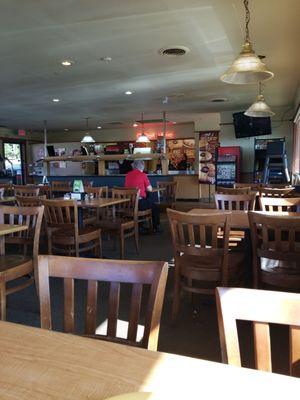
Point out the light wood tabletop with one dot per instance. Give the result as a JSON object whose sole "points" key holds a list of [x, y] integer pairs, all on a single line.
{"points": [[6, 229], [239, 219], [99, 203], [41, 364]]}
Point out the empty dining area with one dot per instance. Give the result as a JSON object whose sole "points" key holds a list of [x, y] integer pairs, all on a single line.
{"points": [[149, 200]]}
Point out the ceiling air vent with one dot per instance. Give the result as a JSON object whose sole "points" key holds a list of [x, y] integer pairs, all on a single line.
{"points": [[174, 51], [219, 100]]}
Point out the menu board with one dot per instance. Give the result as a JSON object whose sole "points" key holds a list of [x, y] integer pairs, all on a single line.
{"points": [[208, 142], [180, 152]]}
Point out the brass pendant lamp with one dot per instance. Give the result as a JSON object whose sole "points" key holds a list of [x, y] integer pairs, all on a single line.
{"points": [[247, 68], [143, 138], [87, 138], [259, 108]]}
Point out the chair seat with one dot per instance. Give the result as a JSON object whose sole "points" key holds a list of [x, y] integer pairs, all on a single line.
{"points": [[280, 267], [67, 235], [209, 268], [11, 261], [115, 224]]}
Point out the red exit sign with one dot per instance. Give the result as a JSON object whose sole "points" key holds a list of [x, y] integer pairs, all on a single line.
{"points": [[21, 132]]}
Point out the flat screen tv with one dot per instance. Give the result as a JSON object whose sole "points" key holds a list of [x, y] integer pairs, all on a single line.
{"points": [[245, 126]]}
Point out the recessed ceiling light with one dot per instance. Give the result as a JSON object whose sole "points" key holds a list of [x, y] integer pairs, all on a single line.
{"points": [[56, 100], [66, 129], [135, 125], [106, 59], [67, 63], [99, 127], [174, 122], [128, 92]]}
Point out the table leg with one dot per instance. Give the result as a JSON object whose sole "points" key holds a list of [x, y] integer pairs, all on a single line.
{"points": [[80, 217]]}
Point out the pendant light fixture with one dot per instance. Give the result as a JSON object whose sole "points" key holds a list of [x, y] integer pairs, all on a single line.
{"points": [[247, 68], [87, 138], [143, 138], [259, 108]]}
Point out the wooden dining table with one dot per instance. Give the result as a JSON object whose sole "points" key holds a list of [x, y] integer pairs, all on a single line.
{"points": [[41, 364], [239, 219], [6, 229]]}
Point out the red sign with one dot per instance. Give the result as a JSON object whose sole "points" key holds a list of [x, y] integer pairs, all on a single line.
{"points": [[21, 132]]}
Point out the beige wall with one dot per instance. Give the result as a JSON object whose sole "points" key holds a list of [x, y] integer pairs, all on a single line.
{"points": [[281, 127]]}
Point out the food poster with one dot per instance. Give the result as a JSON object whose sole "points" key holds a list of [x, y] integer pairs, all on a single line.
{"points": [[208, 142], [180, 150]]}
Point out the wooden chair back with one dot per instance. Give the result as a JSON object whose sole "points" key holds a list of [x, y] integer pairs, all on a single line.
{"points": [[61, 186], [253, 186], [241, 202], [279, 204], [96, 192], [114, 272], [131, 207], [224, 190], [61, 213], [30, 216], [275, 237], [45, 190], [30, 201], [270, 192], [88, 184], [168, 195], [199, 235], [8, 189], [22, 190], [262, 307]]}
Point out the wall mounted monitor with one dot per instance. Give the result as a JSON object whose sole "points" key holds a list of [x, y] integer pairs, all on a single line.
{"points": [[245, 126]]}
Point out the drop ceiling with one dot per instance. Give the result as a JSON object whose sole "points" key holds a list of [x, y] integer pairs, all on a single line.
{"points": [[36, 36]]}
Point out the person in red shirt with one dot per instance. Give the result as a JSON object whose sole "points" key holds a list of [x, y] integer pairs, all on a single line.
{"points": [[138, 179]]}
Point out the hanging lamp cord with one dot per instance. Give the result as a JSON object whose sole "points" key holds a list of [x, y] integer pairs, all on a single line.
{"points": [[247, 20]]}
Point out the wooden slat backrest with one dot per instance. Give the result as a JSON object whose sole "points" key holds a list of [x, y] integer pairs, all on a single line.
{"points": [[30, 201], [169, 192], [130, 206], [61, 213], [114, 272], [274, 237], [61, 185], [279, 204], [283, 192], [199, 235], [262, 307], [30, 216], [253, 186], [8, 189], [243, 202], [224, 190], [21, 190], [96, 192]]}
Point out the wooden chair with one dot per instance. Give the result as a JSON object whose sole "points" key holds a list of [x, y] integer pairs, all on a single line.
{"points": [[15, 266], [30, 201], [45, 190], [283, 192], [253, 186], [276, 250], [279, 204], [236, 191], [29, 191], [8, 189], [96, 192], [166, 196], [152, 274], [144, 216], [61, 187], [262, 307], [202, 257], [64, 235], [241, 202], [125, 223]]}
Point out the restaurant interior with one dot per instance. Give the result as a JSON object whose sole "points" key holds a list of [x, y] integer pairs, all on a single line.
{"points": [[149, 199]]}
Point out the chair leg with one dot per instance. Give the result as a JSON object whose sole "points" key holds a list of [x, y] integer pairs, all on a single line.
{"points": [[3, 300], [176, 299], [136, 237], [122, 245]]}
